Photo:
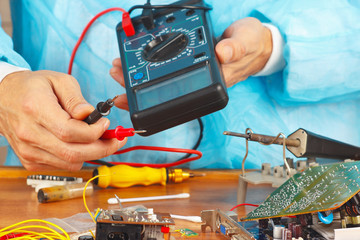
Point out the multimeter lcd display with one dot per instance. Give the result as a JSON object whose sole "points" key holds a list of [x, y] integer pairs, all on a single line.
{"points": [[171, 72], [173, 88]]}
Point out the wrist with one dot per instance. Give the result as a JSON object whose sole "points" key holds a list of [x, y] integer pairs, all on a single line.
{"points": [[267, 48], [275, 62], [7, 69]]}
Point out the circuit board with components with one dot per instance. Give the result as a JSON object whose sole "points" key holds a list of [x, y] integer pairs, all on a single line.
{"points": [[134, 225], [318, 189]]}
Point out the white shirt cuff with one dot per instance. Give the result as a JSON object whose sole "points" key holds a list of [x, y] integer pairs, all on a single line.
{"points": [[276, 61], [6, 69]]}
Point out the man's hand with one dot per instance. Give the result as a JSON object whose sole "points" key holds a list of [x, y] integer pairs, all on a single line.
{"points": [[41, 116], [116, 73], [244, 50]]}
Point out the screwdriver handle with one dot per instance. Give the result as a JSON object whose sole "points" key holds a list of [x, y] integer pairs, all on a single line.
{"points": [[121, 176]]}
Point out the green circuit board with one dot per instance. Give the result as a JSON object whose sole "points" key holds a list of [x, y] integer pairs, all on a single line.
{"points": [[320, 188]]}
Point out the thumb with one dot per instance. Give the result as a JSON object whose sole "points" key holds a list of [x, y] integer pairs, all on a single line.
{"points": [[69, 96], [229, 50]]}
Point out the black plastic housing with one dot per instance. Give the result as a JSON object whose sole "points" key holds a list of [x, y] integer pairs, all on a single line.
{"points": [[184, 108]]}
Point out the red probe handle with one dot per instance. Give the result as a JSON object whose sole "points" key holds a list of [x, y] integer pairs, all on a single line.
{"points": [[119, 132]]}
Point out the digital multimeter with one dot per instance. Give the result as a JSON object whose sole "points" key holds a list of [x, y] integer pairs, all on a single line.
{"points": [[171, 71]]}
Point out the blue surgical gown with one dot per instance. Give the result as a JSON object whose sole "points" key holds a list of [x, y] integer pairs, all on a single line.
{"points": [[319, 88]]}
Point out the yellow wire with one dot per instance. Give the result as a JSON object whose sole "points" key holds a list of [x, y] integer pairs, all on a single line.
{"points": [[48, 235], [38, 226], [84, 197], [35, 235], [97, 211], [2, 231], [92, 234], [26, 237], [43, 235]]}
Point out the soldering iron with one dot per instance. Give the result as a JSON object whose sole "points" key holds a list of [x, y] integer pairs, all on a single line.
{"points": [[303, 143]]}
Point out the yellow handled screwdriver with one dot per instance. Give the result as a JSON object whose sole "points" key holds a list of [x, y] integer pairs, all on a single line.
{"points": [[121, 176]]}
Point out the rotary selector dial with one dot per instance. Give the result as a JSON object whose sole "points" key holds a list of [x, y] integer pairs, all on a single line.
{"points": [[165, 47]]}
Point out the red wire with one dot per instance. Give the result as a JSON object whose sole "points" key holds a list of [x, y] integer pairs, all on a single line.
{"points": [[179, 150], [13, 235], [244, 204], [164, 149], [84, 32]]}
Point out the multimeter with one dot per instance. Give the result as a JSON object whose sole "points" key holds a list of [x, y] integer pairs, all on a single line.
{"points": [[171, 71]]}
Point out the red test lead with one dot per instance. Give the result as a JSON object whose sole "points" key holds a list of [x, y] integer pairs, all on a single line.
{"points": [[120, 133]]}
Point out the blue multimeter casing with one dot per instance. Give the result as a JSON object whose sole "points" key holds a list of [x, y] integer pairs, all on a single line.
{"points": [[171, 72]]}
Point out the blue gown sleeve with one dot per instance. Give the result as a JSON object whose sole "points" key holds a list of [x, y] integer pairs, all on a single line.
{"points": [[7, 53], [321, 51]]}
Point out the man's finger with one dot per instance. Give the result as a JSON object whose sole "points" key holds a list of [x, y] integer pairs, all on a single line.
{"points": [[68, 92], [79, 152], [117, 74], [229, 50], [54, 119], [122, 102], [117, 62]]}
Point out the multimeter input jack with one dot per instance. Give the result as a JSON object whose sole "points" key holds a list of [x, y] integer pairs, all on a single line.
{"points": [[200, 34]]}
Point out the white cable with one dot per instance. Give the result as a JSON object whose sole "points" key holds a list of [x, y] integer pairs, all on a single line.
{"points": [[196, 219], [139, 199]]}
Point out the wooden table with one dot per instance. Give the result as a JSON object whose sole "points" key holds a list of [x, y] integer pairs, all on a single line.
{"points": [[218, 189]]}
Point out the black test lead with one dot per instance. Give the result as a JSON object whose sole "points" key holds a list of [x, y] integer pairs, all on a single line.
{"points": [[102, 109]]}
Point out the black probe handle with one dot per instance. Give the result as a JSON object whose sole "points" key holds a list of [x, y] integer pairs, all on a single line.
{"points": [[102, 109]]}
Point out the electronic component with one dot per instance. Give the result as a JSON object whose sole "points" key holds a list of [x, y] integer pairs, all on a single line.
{"points": [[170, 68], [318, 202], [301, 143], [225, 223], [275, 176], [304, 226], [318, 189], [134, 225], [43, 181]]}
